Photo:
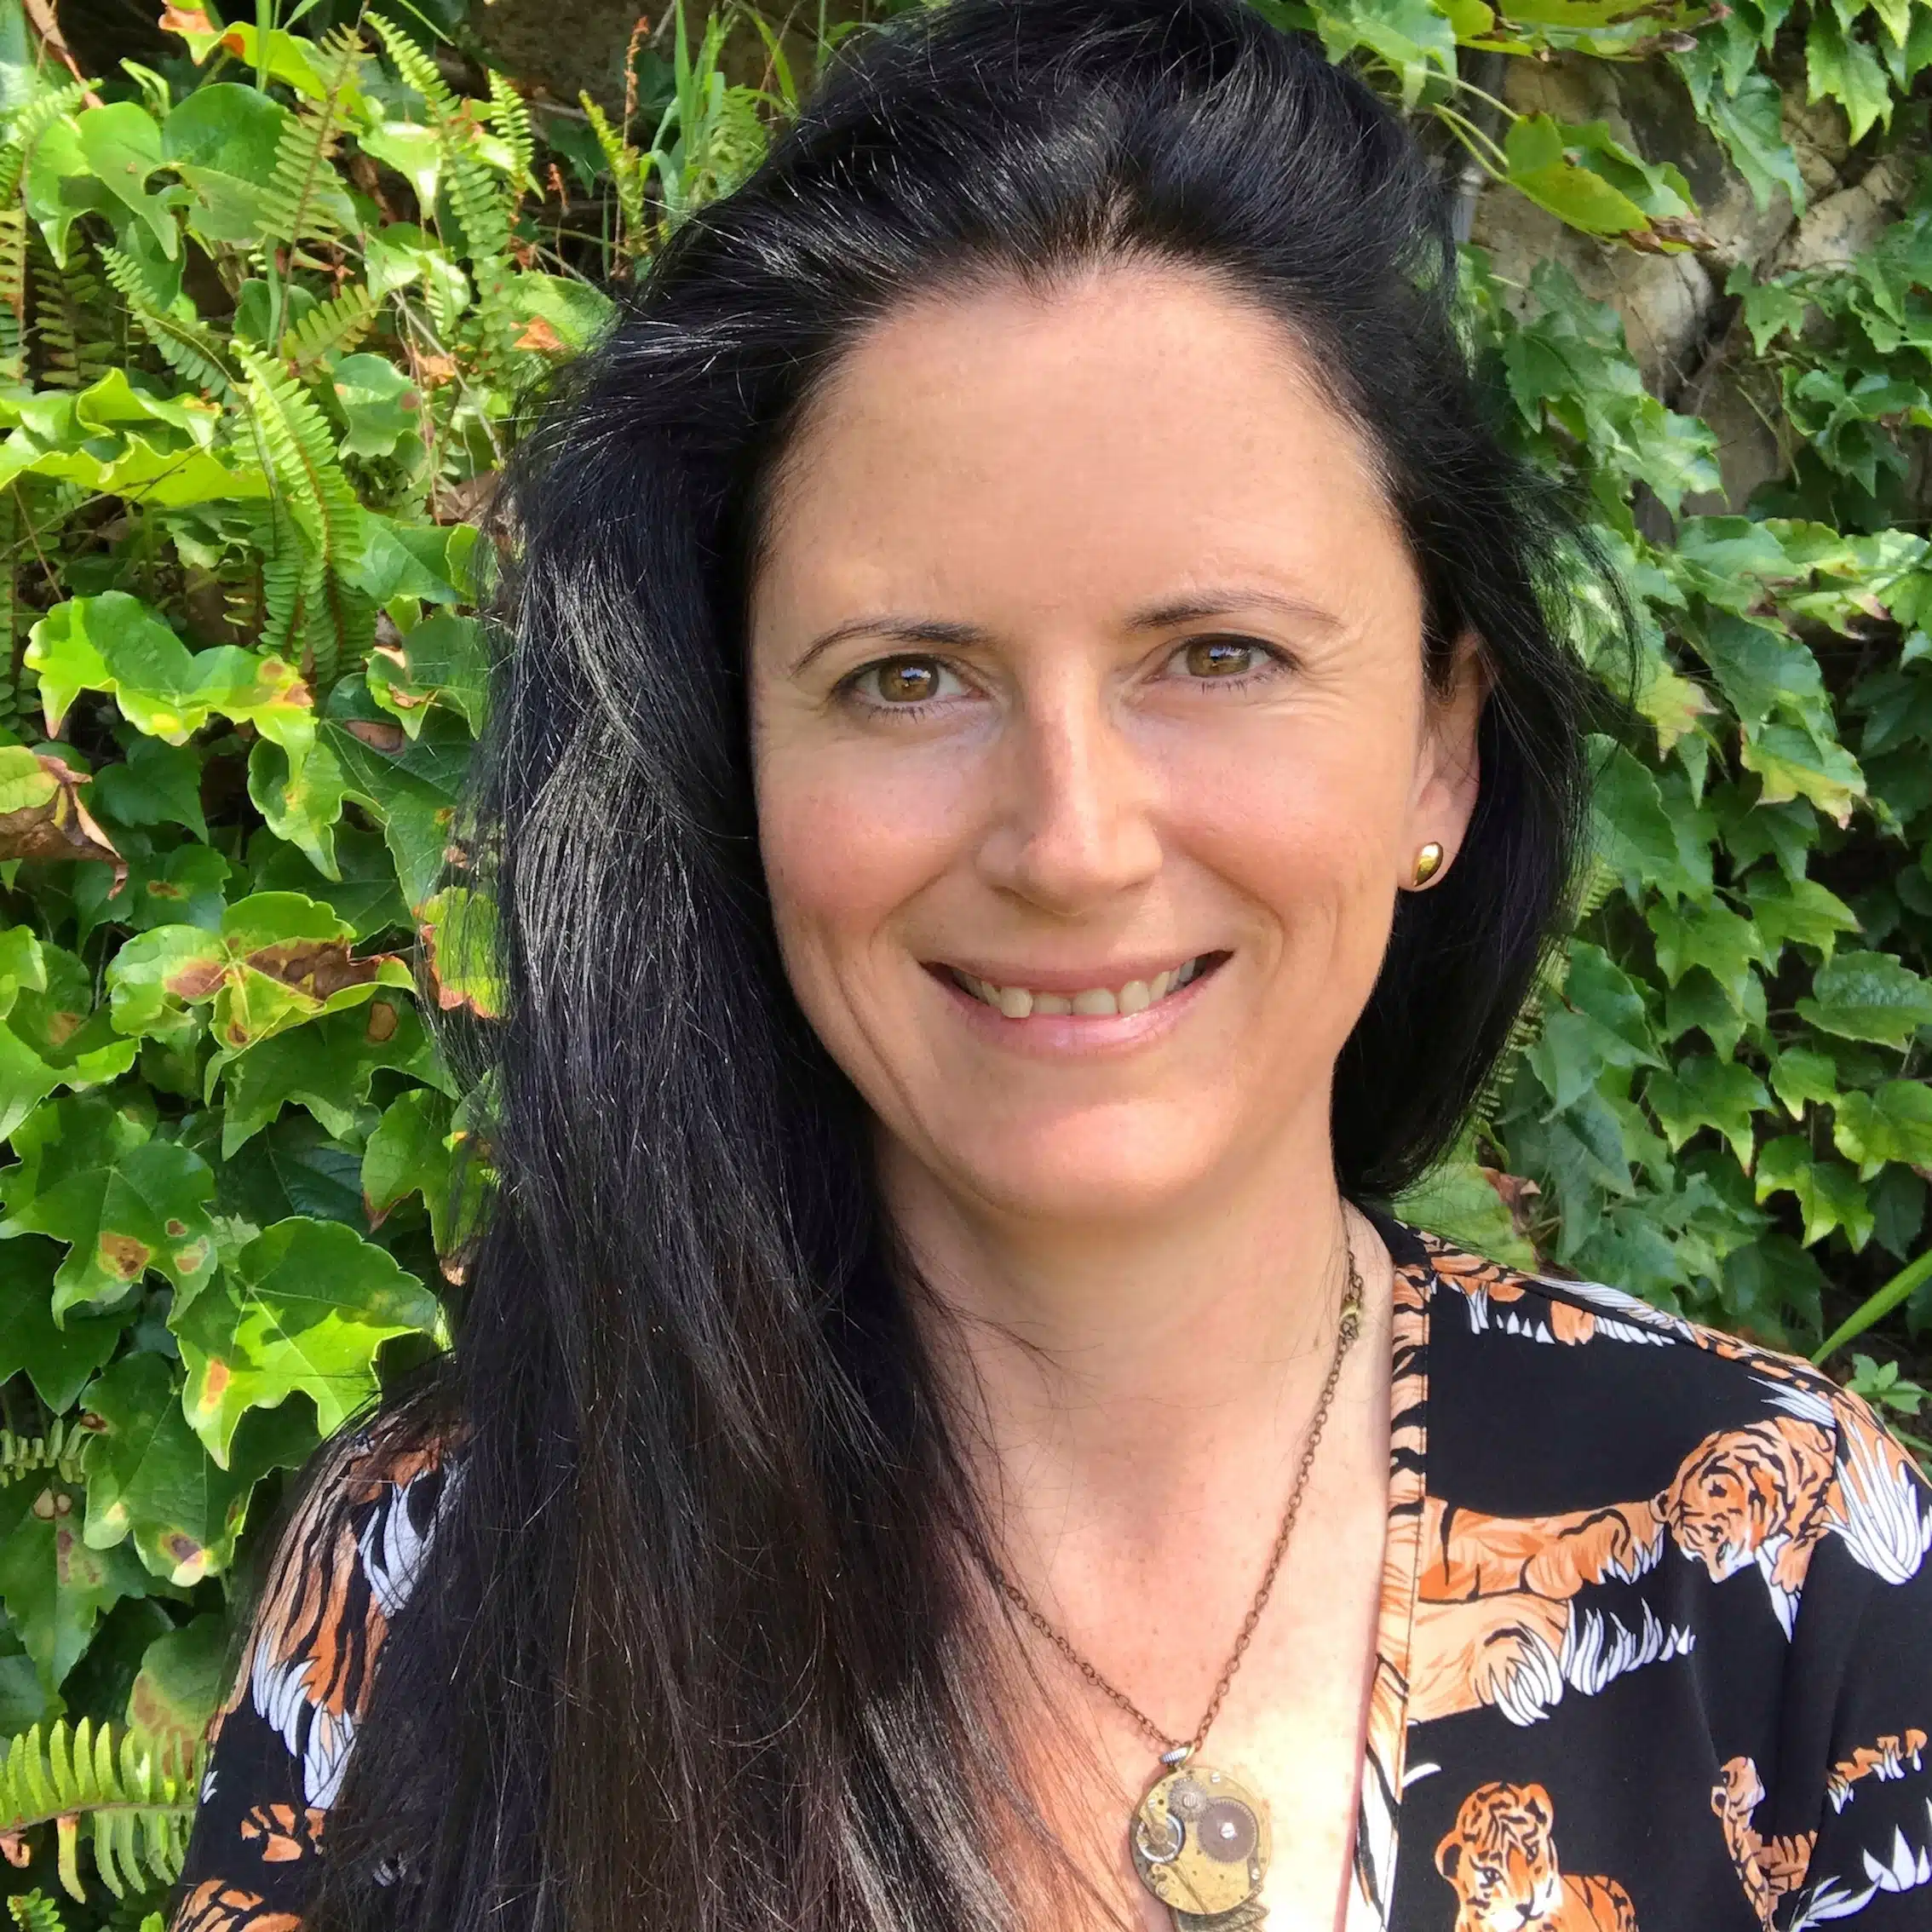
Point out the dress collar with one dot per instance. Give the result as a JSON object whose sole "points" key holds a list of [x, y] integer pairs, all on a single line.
{"points": [[1384, 1752]]}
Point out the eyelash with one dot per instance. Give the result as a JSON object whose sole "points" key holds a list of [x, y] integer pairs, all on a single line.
{"points": [[1274, 661]]}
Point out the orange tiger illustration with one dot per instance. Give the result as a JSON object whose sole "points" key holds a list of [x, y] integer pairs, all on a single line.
{"points": [[331, 1591], [1767, 1868], [1886, 1758], [282, 1832], [1880, 1504], [1495, 1601], [1761, 1494], [1502, 1860], [1497, 1618], [219, 1907], [1484, 1284]]}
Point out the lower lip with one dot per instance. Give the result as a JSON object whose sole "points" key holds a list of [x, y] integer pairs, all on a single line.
{"points": [[1061, 1036]]}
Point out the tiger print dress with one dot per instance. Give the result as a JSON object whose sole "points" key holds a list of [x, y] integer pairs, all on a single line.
{"points": [[1655, 1645]]}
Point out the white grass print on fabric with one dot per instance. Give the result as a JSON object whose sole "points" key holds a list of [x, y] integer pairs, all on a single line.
{"points": [[1597, 1648], [1905, 1868]]}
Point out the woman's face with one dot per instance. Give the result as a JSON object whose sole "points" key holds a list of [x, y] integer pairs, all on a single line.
{"points": [[1091, 740]]}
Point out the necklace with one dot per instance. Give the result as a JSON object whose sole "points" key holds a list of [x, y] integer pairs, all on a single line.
{"points": [[1200, 1840]]}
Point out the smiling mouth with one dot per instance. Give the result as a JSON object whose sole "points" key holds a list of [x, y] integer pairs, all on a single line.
{"points": [[1093, 1003]]}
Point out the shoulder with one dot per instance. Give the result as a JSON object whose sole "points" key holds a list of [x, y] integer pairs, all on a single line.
{"points": [[363, 1516], [345, 1563], [1471, 1293], [1747, 1456], [343, 1566]]}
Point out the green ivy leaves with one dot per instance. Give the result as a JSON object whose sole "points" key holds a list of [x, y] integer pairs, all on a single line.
{"points": [[1868, 996], [278, 959], [1585, 177], [112, 643], [238, 399], [306, 1307], [126, 1203], [148, 1475]]}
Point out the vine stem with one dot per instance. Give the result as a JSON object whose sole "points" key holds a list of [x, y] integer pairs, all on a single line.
{"points": [[1876, 1307]]}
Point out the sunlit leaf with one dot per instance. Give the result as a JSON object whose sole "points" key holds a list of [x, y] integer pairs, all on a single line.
{"points": [[306, 1307], [278, 959], [1868, 996], [1893, 1122], [126, 1204]]}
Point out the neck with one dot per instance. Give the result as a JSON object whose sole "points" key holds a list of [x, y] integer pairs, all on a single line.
{"points": [[1100, 1368]]}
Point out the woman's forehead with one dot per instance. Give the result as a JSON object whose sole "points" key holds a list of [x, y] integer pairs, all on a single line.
{"points": [[1109, 440]]}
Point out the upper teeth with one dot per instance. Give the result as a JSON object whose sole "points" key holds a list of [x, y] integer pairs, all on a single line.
{"points": [[1021, 1002]]}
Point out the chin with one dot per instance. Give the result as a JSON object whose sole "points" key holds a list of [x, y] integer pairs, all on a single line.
{"points": [[1067, 1175]]}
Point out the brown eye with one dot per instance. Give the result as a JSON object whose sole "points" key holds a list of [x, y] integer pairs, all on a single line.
{"points": [[901, 684], [1220, 657], [906, 681]]}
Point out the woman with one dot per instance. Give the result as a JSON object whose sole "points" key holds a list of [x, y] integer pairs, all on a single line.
{"points": [[1032, 779]]}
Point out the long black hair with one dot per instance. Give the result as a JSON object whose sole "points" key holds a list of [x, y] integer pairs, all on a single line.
{"points": [[695, 1647]]}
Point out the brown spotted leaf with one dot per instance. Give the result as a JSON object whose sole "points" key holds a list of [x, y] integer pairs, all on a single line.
{"points": [[126, 1204], [41, 813], [280, 959], [458, 933], [306, 1307], [148, 1475]]}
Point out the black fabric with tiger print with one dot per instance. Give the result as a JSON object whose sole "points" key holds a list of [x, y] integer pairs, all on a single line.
{"points": [[281, 1741], [1654, 1648]]}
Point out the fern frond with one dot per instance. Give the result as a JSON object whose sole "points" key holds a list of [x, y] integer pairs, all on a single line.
{"points": [[292, 204], [416, 69], [626, 165], [12, 707], [337, 324], [34, 1912], [285, 570], [481, 200], [482, 205], [59, 1450], [187, 349], [1603, 881], [734, 141], [72, 319], [299, 451], [510, 117], [136, 1800], [241, 604], [13, 291], [445, 302], [498, 320], [26, 126]]}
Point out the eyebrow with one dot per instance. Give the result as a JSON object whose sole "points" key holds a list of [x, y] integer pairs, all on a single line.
{"points": [[1189, 609]]}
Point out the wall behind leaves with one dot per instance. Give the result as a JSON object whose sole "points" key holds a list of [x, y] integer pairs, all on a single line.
{"points": [[268, 306]]}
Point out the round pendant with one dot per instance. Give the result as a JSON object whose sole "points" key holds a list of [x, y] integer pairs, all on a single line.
{"points": [[1200, 1842]]}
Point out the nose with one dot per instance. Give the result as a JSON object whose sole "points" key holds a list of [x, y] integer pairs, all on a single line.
{"points": [[1074, 824]]}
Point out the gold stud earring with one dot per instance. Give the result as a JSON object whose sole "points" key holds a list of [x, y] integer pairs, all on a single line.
{"points": [[1428, 861]]}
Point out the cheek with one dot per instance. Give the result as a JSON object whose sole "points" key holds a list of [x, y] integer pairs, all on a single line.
{"points": [[847, 844], [1302, 820]]}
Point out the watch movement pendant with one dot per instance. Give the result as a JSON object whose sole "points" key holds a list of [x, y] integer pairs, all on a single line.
{"points": [[1200, 1844]]}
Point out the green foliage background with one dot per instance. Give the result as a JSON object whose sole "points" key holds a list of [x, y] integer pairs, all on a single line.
{"points": [[267, 309]]}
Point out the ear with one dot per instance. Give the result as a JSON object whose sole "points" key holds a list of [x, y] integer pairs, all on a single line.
{"points": [[1449, 1855], [1448, 768]]}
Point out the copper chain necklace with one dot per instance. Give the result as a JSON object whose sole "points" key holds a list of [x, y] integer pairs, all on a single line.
{"points": [[1199, 1840]]}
